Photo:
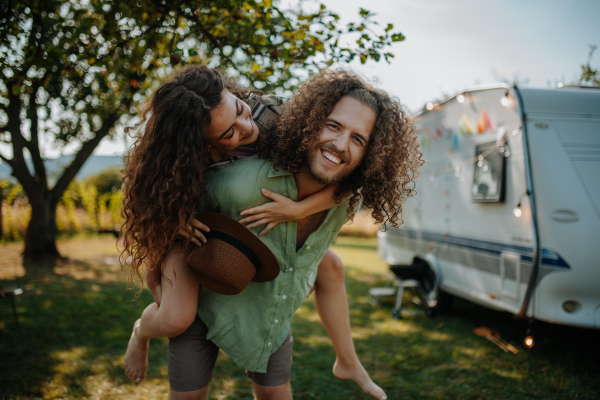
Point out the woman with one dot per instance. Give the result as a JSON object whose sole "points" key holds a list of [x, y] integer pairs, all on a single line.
{"points": [[194, 119]]}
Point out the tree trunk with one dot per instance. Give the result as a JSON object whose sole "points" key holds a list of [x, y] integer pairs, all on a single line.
{"points": [[40, 239], [1, 206]]}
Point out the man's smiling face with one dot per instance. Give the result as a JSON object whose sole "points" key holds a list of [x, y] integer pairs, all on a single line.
{"points": [[343, 141]]}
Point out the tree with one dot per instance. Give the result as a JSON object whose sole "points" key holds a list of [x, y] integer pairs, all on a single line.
{"points": [[72, 70], [590, 75], [3, 186]]}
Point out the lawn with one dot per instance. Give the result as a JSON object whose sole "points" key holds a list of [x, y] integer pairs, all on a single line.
{"points": [[75, 320]]}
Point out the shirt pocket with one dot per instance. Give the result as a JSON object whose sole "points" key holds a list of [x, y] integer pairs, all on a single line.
{"points": [[314, 249]]}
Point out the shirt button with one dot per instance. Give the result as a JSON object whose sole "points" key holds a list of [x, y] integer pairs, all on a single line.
{"points": [[268, 343], [276, 321], [290, 269], [284, 297], [307, 247]]}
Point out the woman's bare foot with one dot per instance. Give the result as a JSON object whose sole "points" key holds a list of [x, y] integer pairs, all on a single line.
{"points": [[358, 374], [136, 356]]}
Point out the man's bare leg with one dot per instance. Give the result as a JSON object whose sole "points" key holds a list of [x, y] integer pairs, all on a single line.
{"points": [[280, 392], [176, 313], [201, 394], [332, 305]]}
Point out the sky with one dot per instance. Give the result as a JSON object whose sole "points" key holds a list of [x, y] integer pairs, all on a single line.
{"points": [[454, 44]]}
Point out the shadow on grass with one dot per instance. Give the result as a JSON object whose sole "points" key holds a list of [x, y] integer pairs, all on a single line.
{"points": [[354, 242], [441, 358], [73, 329], [69, 329]]}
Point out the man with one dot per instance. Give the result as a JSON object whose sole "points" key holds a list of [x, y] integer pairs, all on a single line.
{"points": [[338, 131]]}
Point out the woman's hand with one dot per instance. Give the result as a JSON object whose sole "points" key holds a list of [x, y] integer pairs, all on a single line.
{"points": [[281, 209], [198, 227]]}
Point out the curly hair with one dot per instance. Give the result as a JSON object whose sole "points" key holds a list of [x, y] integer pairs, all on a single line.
{"points": [[392, 161], [164, 177]]}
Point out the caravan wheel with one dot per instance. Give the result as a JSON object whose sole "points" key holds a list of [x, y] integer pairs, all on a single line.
{"points": [[443, 304], [435, 300]]}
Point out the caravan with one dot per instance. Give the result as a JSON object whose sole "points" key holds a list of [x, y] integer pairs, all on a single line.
{"points": [[507, 213]]}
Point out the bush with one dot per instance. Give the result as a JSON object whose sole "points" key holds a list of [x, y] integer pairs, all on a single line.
{"points": [[108, 181], [93, 204]]}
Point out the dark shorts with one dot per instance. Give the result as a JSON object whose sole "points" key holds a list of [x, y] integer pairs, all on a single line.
{"points": [[192, 358]]}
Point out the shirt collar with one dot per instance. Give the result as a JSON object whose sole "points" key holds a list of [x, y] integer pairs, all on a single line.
{"points": [[275, 172]]}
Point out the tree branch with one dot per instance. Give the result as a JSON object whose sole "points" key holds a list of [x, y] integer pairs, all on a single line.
{"points": [[5, 28], [119, 45], [32, 49], [33, 145], [20, 170], [212, 39], [81, 157]]}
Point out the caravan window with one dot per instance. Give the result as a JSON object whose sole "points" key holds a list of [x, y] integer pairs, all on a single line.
{"points": [[488, 176]]}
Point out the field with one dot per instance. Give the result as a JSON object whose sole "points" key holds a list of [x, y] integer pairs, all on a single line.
{"points": [[75, 320]]}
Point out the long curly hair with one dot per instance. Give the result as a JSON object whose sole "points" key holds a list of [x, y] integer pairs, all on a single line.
{"points": [[392, 161], [164, 177]]}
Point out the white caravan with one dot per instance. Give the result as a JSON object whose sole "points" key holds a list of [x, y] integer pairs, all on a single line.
{"points": [[507, 213]]}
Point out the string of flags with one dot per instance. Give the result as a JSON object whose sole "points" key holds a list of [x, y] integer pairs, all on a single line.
{"points": [[472, 121], [465, 127], [500, 145]]}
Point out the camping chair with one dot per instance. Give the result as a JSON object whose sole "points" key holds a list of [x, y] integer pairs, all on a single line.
{"points": [[401, 277], [10, 292]]}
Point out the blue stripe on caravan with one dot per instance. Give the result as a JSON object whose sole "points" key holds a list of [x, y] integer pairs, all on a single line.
{"points": [[549, 257]]}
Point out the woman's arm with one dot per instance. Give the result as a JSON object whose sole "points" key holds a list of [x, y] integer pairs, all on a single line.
{"points": [[154, 275], [153, 278], [283, 209]]}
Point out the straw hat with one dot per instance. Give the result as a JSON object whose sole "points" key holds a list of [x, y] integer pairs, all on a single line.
{"points": [[231, 257]]}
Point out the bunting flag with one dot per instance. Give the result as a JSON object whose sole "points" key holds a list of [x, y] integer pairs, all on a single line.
{"points": [[484, 123], [464, 126], [427, 131], [454, 141], [488, 121], [439, 132], [425, 143], [480, 126]]}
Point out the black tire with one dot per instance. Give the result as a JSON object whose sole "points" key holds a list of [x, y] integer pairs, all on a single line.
{"points": [[435, 300], [445, 302]]}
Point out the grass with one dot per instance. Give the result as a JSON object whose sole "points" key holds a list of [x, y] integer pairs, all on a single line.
{"points": [[75, 321]]}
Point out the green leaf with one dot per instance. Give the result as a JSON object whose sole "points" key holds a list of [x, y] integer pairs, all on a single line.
{"points": [[398, 37], [101, 59]]}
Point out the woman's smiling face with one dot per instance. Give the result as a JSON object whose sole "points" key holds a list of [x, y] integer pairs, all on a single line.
{"points": [[231, 124]]}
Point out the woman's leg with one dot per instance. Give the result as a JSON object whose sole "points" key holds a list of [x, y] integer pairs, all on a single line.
{"points": [[332, 305], [176, 313]]}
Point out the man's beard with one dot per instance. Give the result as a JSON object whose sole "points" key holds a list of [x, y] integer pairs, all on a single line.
{"points": [[329, 179]]}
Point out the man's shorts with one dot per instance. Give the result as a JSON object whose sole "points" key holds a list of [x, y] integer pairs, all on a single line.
{"points": [[192, 358]]}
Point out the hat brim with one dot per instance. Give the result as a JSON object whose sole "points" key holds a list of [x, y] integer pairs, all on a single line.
{"points": [[269, 267]]}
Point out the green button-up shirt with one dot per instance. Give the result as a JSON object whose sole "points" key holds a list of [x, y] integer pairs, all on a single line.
{"points": [[251, 325]]}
